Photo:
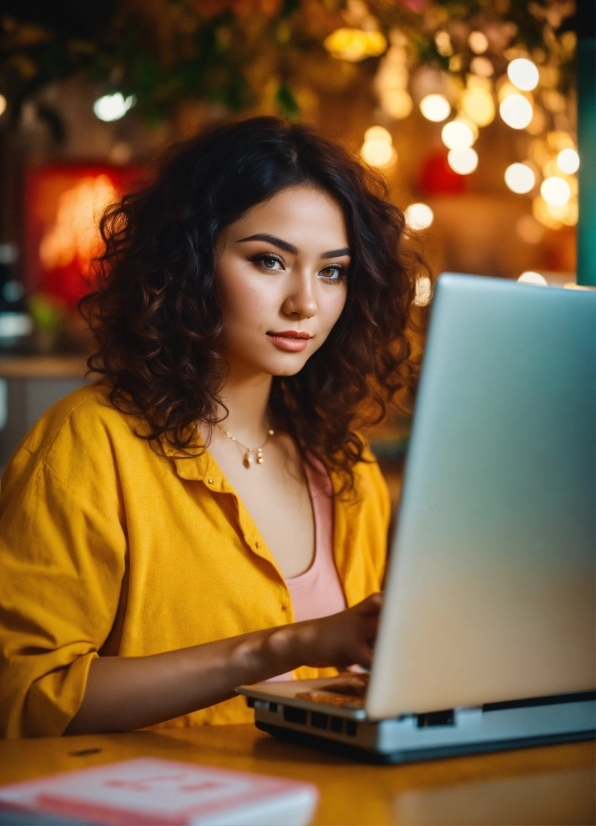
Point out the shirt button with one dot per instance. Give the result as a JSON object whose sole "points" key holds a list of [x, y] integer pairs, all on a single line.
{"points": [[209, 481], [257, 544]]}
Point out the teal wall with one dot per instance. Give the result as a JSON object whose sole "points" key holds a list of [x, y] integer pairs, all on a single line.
{"points": [[586, 71]]}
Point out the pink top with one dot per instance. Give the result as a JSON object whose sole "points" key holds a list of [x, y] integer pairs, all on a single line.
{"points": [[318, 591]]}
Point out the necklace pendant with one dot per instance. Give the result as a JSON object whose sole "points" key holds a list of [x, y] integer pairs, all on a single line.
{"points": [[260, 456], [247, 459]]}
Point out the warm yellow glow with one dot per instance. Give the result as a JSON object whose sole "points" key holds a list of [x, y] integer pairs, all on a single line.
{"points": [[443, 43], [523, 74], [75, 234], [540, 211], [531, 277], [419, 216], [355, 44], [568, 161], [397, 103], [435, 107], [478, 42], [457, 135], [3, 104], [559, 140], [478, 105], [504, 89], [555, 191], [571, 214], [378, 153], [520, 178], [516, 111], [482, 67], [529, 230], [378, 133], [463, 161]]}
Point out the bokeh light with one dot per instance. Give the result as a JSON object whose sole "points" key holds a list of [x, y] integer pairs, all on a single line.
{"points": [[113, 107], [457, 135], [378, 133], [516, 111], [435, 107], [463, 161], [555, 191], [377, 149], [568, 161], [482, 67], [355, 44], [531, 277], [3, 104], [520, 178], [424, 290], [478, 42], [478, 105], [523, 74], [419, 216], [397, 103]]}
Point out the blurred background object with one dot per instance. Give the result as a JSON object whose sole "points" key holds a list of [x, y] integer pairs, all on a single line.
{"points": [[468, 108]]}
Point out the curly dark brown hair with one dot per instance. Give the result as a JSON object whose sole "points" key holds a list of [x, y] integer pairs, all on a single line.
{"points": [[156, 317]]}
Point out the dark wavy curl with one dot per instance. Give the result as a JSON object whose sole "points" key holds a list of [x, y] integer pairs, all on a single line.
{"points": [[156, 317]]}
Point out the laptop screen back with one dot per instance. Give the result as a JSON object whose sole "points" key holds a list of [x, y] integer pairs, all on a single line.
{"points": [[490, 594]]}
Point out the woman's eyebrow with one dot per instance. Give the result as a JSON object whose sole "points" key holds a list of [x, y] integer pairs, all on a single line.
{"points": [[287, 247], [277, 242]]}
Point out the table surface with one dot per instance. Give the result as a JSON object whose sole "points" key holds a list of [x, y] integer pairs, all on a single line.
{"points": [[547, 785]]}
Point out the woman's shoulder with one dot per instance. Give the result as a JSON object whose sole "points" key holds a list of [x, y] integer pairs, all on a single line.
{"points": [[80, 429], [79, 415]]}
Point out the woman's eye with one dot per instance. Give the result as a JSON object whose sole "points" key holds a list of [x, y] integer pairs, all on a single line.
{"points": [[268, 262], [335, 272]]}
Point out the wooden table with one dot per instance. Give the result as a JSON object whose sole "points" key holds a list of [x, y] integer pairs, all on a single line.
{"points": [[549, 785]]}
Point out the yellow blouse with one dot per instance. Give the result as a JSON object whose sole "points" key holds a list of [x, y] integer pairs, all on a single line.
{"points": [[107, 548]]}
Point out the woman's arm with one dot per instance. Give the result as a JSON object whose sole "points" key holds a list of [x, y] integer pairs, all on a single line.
{"points": [[125, 693]]}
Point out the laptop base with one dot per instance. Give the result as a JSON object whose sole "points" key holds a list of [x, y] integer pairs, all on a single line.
{"points": [[353, 752]]}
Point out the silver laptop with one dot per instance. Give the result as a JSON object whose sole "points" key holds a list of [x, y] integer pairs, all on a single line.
{"points": [[487, 632]]}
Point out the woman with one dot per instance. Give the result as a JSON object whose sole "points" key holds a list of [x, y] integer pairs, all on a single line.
{"points": [[163, 530]]}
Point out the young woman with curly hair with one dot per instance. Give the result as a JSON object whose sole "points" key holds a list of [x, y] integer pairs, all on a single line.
{"points": [[207, 515]]}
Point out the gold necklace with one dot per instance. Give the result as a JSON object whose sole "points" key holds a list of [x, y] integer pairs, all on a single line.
{"points": [[248, 456]]}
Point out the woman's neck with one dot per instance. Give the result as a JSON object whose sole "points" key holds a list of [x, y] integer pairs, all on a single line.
{"points": [[247, 402]]}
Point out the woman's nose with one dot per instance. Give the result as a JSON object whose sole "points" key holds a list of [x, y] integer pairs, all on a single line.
{"points": [[300, 302]]}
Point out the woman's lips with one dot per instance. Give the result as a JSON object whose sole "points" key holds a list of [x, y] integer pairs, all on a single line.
{"points": [[290, 340]]}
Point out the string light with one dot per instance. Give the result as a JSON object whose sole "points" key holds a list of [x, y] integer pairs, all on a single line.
{"points": [[457, 135], [419, 216], [435, 107], [463, 161], [516, 111], [520, 178], [568, 161], [523, 74], [555, 191]]}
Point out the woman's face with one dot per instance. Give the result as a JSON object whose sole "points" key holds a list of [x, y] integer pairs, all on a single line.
{"points": [[281, 279]]}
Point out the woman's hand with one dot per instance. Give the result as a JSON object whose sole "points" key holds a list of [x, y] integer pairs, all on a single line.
{"points": [[342, 639], [125, 693]]}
